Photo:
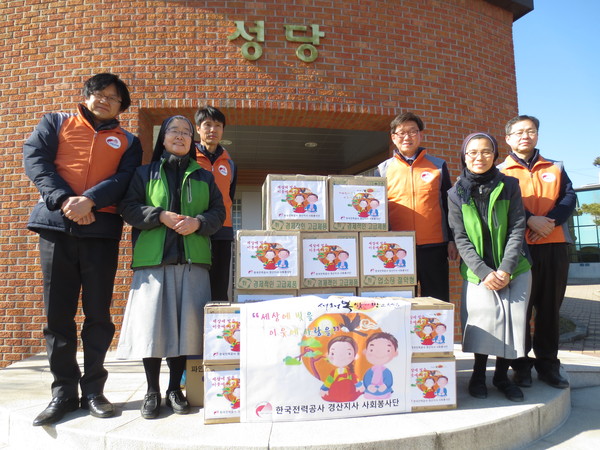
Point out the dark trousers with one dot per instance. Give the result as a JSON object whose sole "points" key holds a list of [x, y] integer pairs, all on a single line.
{"points": [[432, 272], [219, 270], [550, 272], [70, 265]]}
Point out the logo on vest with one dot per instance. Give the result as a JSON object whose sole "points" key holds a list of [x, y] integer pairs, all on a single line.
{"points": [[223, 170], [114, 142], [427, 177], [549, 177]]}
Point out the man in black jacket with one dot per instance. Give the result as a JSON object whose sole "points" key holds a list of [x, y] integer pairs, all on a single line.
{"points": [[81, 163]]}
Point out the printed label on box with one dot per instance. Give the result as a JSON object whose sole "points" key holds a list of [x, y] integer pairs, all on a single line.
{"points": [[432, 330], [298, 200], [222, 336], [359, 204], [433, 383], [268, 256], [222, 394], [329, 258]]}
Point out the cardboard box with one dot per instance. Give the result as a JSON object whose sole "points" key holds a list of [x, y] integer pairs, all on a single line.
{"points": [[357, 203], [295, 202], [431, 327], [194, 380], [222, 333], [222, 394], [388, 258], [261, 295], [432, 384], [268, 260], [327, 292], [329, 260], [397, 291]]}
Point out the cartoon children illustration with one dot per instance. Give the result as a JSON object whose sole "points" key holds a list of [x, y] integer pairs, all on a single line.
{"points": [[428, 388], [298, 204], [380, 349], [373, 205], [231, 335], [283, 255], [427, 335], [400, 255], [343, 258], [389, 259], [363, 208], [269, 263], [341, 385], [231, 391], [441, 391], [439, 338], [312, 199], [331, 266]]}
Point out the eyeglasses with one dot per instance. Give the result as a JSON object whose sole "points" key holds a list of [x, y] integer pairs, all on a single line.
{"points": [[520, 133], [484, 153], [107, 98], [403, 134], [174, 132]]}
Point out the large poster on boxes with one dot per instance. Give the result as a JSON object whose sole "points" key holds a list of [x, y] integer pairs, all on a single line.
{"points": [[314, 358]]}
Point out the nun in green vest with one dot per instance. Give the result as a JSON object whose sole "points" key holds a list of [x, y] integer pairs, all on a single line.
{"points": [[486, 214], [173, 206]]}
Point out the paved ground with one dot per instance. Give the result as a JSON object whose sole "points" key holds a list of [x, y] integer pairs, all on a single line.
{"points": [[582, 305], [582, 429]]}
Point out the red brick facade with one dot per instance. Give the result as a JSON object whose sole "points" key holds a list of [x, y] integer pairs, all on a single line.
{"points": [[451, 61]]}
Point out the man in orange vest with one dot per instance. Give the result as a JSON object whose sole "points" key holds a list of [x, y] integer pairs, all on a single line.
{"points": [[549, 201], [81, 163], [210, 124], [417, 186]]}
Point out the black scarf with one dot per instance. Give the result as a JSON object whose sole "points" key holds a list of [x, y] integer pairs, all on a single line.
{"points": [[468, 181]]}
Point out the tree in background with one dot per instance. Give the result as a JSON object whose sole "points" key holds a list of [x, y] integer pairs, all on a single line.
{"points": [[592, 208]]}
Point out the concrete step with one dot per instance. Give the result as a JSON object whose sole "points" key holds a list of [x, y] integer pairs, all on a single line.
{"points": [[491, 423]]}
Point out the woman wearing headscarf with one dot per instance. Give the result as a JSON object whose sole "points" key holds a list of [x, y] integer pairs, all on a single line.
{"points": [[488, 220], [173, 206]]}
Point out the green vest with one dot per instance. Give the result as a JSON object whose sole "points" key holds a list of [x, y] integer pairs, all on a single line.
{"points": [[498, 226], [149, 247]]}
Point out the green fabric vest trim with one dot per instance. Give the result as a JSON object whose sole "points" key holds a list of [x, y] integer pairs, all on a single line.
{"points": [[498, 226], [195, 195]]}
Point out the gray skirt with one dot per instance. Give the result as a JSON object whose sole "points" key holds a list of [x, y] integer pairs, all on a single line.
{"points": [[493, 322], [164, 316]]}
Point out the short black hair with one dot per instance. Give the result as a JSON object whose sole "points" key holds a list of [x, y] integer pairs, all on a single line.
{"points": [[520, 118], [101, 81], [207, 112], [405, 117]]}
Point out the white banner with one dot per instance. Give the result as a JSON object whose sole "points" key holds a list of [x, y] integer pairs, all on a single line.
{"points": [[312, 358]]}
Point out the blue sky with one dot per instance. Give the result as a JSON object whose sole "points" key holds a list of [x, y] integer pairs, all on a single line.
{"points": [[557, 55]]}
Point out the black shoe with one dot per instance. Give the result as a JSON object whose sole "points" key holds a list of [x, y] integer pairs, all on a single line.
{"points": [[510, 390], [177, 401], [522, 378], [477, 387], [98, 405], [553, 378], [56, 410], [151, 406]]}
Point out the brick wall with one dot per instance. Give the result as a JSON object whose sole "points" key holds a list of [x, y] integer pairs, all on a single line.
{"points": [[451, 61]]}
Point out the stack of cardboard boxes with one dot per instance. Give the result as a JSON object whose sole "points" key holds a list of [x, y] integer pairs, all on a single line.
{"points": [[324, 236]]}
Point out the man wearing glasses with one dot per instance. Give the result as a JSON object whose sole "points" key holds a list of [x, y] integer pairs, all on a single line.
{"points": [[417, 186], [81, 164], [549, 201]]}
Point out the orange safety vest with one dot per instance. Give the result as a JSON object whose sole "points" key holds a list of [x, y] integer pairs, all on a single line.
{"points": [[223, 171], [415, 197], [540, 189], [85, 157]]}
